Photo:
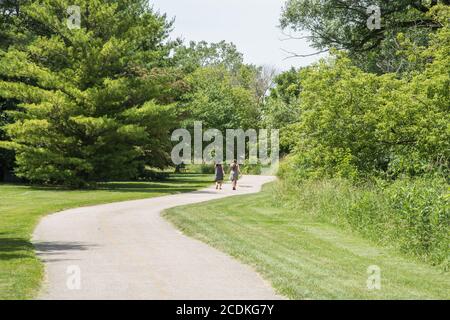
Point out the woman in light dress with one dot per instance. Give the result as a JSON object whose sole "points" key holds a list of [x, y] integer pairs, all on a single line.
{"points": [[235, 171]]}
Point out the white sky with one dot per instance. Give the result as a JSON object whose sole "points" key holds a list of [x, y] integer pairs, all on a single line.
{"points": [[252, 25]]}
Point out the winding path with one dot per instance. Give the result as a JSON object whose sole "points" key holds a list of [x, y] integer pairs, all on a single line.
{"points": [[127, 250]]}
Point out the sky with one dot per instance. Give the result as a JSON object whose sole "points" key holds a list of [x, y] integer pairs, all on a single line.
{"points": [[252, 25]]}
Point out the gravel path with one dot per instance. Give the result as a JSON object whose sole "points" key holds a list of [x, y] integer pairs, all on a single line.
{"points": [[127, 251]]}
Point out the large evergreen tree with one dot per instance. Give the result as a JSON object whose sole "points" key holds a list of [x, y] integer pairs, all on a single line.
{"points": [[94, 101], [9, 13]]}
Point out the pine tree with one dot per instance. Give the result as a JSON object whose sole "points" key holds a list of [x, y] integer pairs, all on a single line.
{"points": [[94, 101], [9, 10]]}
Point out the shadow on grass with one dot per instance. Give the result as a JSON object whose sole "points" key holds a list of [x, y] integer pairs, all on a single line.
{"points": [[15, 248], [18, 248], [155, 190], [176, 183], [7, 256], [138, 186]]}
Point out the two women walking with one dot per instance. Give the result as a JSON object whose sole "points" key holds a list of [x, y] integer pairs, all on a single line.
{"points": [[234, 174]]}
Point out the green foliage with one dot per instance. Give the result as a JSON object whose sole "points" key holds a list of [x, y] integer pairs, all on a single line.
{"points": [[9, 14], [254, 169], [152, 174], [343, 25], [287, 86], [6, 156], [223, 91], [9, 10], [387, 136], [411, 216], [203, 54], [245, 168], [420, 218], [201, 168], [281, 109], [335, 133], [219, 99], [355, 124], [92, 100]]}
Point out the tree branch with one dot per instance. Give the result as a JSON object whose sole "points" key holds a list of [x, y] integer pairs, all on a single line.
{"points": [[291, 37], [296, 55]]}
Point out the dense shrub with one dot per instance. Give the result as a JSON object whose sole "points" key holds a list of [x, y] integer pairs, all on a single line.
{"points": [[248, 168], [152, 175], [201, 168], [420, 217], [355, 124]]}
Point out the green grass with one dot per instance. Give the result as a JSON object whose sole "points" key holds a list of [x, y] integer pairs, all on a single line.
{"points": [[302, 257], [22, 206]]}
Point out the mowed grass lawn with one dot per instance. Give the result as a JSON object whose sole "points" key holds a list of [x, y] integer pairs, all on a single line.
{"points": [[22, 206], [304, 259]]}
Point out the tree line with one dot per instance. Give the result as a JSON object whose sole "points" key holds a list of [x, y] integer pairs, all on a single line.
{"points": [[347, 116], [99, 102]]}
